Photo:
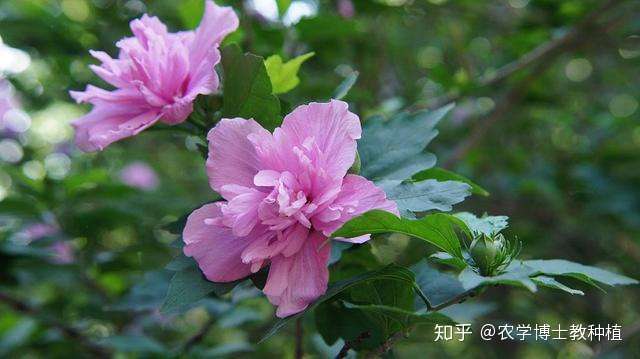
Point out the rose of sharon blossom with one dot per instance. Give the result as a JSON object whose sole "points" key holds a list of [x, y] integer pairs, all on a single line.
{"points": [[157, 76], [285, 194]]}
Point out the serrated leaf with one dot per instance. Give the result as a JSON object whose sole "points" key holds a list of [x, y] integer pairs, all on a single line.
{"points": [[439, 287], [284, 75], [343, 89], [552, 283], [440, 174], [438, 229], [488, 225], [588, 274], [425, 195], [247, 88], [516, 275], [394, 148]]}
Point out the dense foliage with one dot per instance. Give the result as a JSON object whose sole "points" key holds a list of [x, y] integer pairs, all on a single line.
{"points": [[532, 103]]}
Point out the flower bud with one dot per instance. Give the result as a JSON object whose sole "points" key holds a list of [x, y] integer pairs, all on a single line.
{"points": [[489, 254]]}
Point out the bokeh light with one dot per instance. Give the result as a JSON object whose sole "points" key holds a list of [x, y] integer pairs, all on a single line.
{"points": [[623, 105], [10, 151], [57, 165], [578, 70], [429, 57], [34, 170]]}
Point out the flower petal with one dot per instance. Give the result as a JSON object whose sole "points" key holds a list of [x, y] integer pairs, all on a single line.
{"points": [[106, 124], [295, 282], [214, 247], [325, 127], [232, 157], [217, 22], [357, 196]]}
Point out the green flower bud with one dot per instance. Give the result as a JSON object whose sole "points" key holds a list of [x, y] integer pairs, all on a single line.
{"points": [[491, 254]]}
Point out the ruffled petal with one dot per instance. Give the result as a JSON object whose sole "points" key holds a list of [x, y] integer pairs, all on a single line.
{"points": [[295, 282], [232, 158], [357, 196], [323, 134], [217, 22], [106, 124], [216, 250]]}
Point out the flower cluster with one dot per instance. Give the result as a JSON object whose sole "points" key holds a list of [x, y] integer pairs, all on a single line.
{"points": [[284, 192], [157, 76]]}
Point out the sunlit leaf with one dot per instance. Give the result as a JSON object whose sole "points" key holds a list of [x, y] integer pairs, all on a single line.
{"points": [[284, 75]]}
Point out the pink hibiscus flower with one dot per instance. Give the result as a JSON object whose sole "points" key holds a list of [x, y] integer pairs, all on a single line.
{"points": [[285, 194], [157, 74]]}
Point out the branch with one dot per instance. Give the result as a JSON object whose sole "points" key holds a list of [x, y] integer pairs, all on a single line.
{"points": [[68, 331], [549, 49], [349, 344], [541, 60]]}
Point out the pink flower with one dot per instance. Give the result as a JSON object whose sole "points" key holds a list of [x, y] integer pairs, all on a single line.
{"points": [[63, 252], [157, 74], [139, 175], [285, 194]]}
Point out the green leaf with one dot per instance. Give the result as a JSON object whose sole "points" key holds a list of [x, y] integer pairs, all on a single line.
{"points": [[339, 319], [488, 225], [147, 294], [283, 6], [391, 272], [343, 89], [133, 343], [552, 283], [439, 287], [394, 149], [188, 286], [247, 88], [17, 335], [447, 259], [516, 275], [587, 274], [438, 229], [425, 195], [403, 317], [467, 312], [284, 76], [441, 174]]}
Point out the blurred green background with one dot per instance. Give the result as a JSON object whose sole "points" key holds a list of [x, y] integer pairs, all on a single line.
{"points": [[547, 120]]}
